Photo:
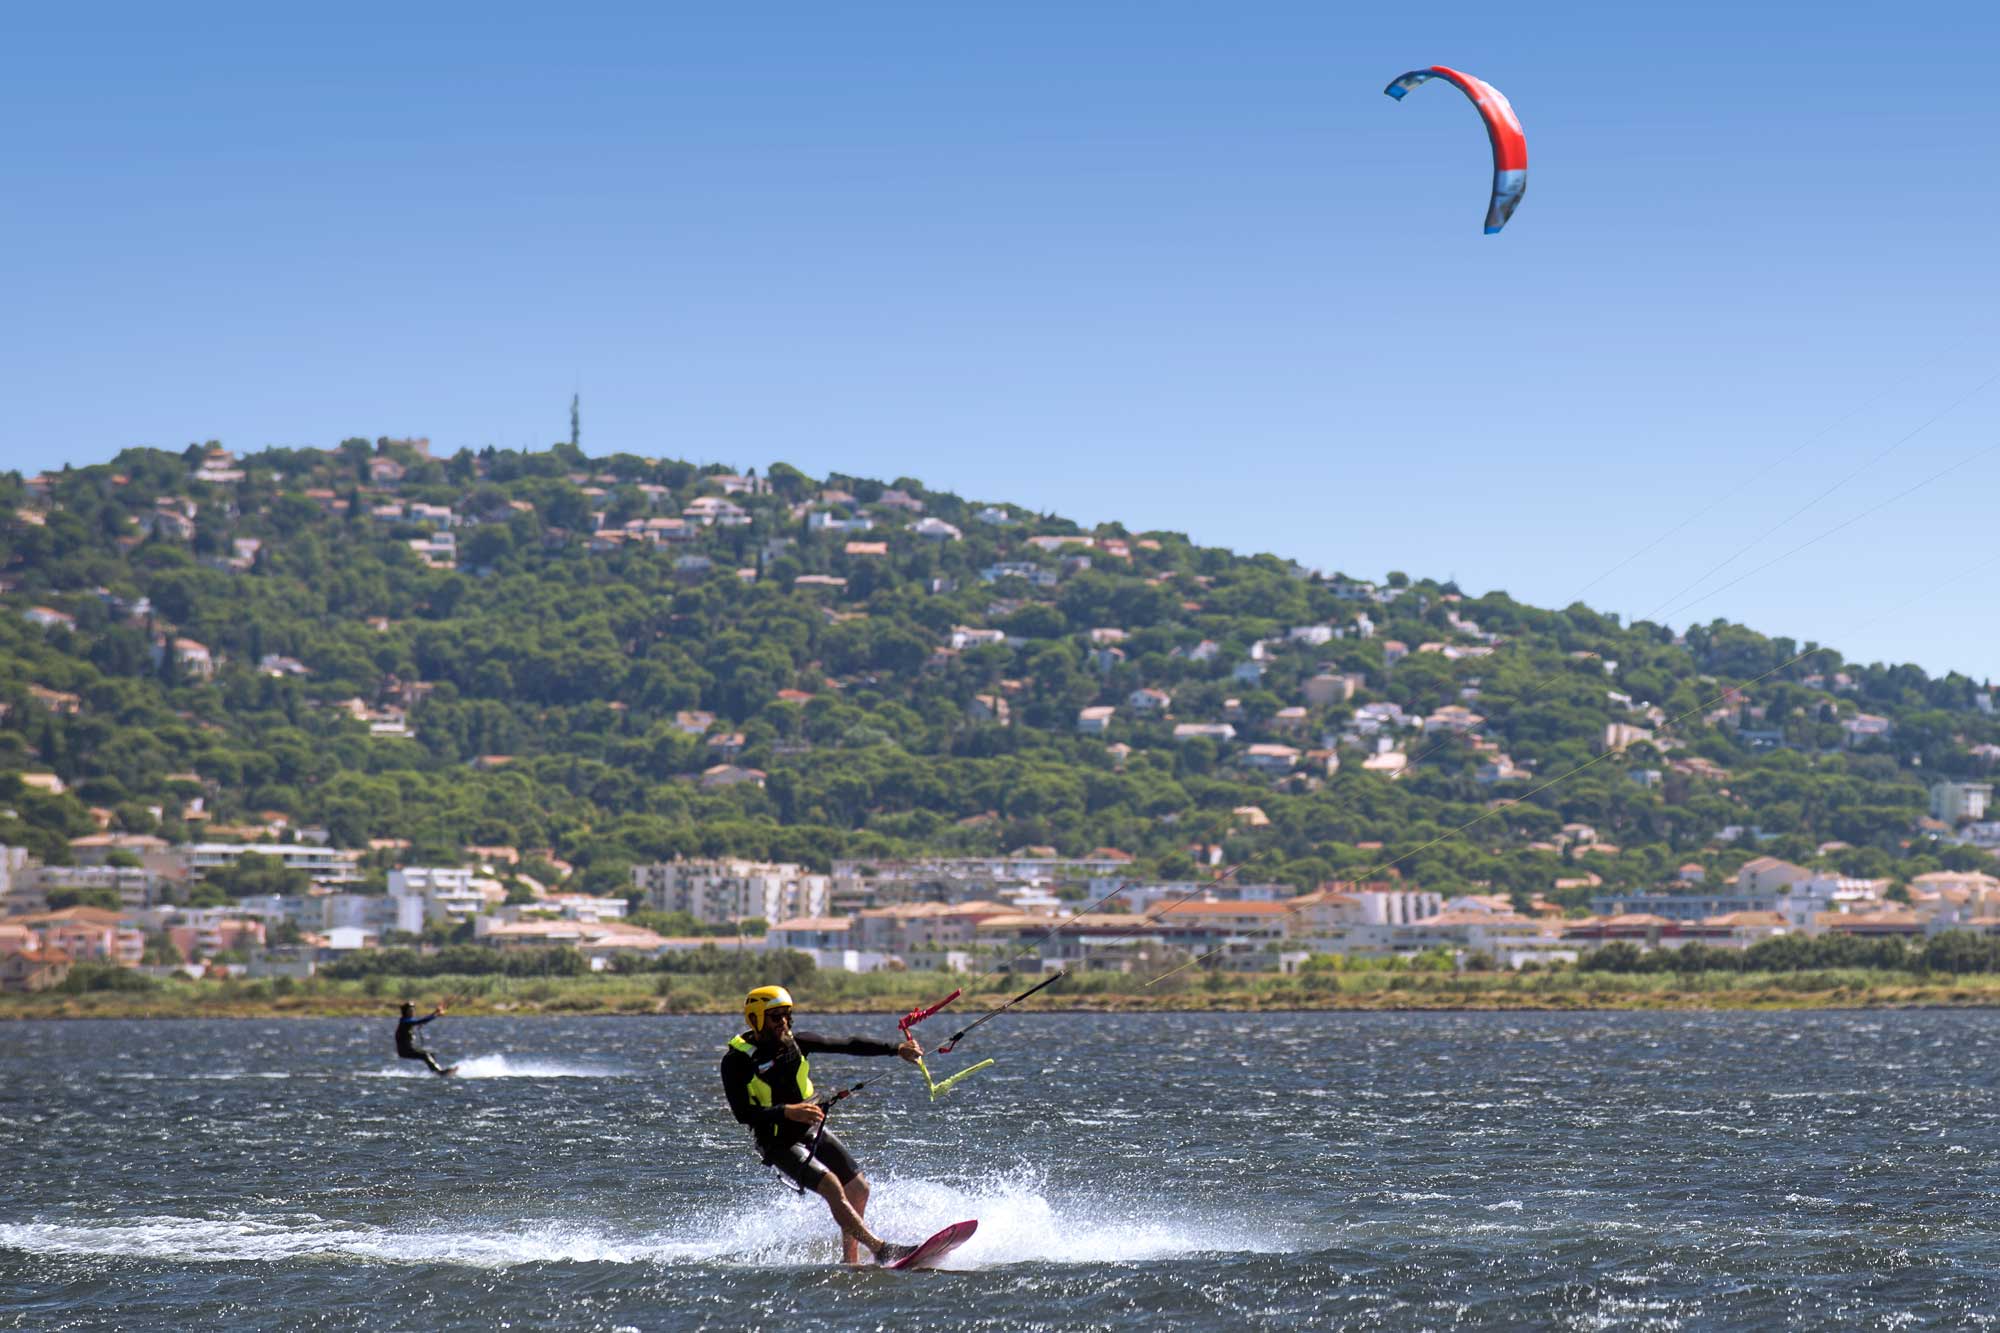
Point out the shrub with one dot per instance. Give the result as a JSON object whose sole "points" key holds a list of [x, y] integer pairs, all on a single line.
{"points": [[86, 977]]}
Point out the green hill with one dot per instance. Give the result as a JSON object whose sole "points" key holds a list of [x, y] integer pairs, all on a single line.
{"points": [[620, 659]]}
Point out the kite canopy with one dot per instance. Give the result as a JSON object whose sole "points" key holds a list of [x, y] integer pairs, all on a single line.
{"points": [[1503, 127]]}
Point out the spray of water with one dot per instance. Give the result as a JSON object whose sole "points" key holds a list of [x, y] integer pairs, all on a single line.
{"points": [[500, 1066], [1018, 1224]]}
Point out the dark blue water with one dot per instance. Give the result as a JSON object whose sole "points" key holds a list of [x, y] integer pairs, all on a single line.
{"points": [[1392, 1170]]}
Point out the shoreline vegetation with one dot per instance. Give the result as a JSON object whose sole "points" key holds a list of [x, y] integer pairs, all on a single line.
{"points": [[878, 993]]}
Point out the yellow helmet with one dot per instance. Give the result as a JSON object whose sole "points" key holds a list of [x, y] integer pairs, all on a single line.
{"points": [[764, 998]]}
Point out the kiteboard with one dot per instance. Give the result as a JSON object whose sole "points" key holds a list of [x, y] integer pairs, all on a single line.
{"points": [[938, 1246], [448, 1071]]}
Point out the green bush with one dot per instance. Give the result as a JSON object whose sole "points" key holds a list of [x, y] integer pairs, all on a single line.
{"points": [[85, 977]]}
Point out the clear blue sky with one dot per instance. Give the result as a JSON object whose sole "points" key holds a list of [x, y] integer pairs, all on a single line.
{"points": [[1183, 266]]}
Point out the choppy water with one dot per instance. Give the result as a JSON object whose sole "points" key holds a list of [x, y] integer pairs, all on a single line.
{"points": [[1383, 1170]]}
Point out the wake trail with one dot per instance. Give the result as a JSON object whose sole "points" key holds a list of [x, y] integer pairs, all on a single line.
{"points": [[501, 1066], [1018, 1224]]}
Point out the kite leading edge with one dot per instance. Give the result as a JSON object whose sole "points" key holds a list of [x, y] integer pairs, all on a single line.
{"points": [[1503, 127]]}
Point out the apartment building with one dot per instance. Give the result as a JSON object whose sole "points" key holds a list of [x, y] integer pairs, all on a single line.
{"points": [[322, 865], [715, 891], [447, 892]]}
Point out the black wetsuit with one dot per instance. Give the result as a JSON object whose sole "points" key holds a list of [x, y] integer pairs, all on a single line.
{"points": [[786, 1080], [406, 1042]]}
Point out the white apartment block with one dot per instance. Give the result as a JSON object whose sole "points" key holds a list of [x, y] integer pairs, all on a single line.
{"points": [[1954, 802], [20, 882], [322, 865], [1370, 907], [446, 891], [581, 908], [421, 880], [964, 878], [373, 914], [136, 886], [722, 890], [272, 908]]}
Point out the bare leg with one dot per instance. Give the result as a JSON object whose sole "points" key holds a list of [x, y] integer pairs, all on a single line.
{"points": [[857, 1199], [853, 1230]]}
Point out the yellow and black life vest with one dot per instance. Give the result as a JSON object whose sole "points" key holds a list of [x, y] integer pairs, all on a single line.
{"points": [[761, 1091]]}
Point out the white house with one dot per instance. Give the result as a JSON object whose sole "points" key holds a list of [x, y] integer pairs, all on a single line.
{"points": [[1271, 758], [822, 521], [1865, 727], [437, 517], [966, 636], [1020, 569], [714, 511], [1454, 718], [1619, 735], [1768, 874], [1372, 718], [194, 658], [49, 618]]}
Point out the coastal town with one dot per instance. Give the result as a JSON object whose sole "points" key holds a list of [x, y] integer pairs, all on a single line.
{"points": [[1015, 912], [1011, 742]]}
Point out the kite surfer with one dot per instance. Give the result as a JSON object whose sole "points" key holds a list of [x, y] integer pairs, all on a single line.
{"points": [[768, 1080], [406, 1038]]}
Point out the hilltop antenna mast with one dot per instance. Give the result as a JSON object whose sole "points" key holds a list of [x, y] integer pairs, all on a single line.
{"points": [[576, 421]]}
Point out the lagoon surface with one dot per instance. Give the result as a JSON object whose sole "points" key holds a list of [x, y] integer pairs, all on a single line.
{"points": [[1630, 1170]]}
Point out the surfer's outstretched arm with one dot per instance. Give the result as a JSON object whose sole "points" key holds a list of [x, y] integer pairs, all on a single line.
{"points": [[811, 1043]]}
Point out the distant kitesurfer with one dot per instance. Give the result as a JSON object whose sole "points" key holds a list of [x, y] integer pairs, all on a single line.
{"points": [[769, 1084], [406, 1037]]}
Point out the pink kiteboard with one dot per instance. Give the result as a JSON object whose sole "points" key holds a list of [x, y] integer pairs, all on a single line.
{"points": [[938, 1246]]}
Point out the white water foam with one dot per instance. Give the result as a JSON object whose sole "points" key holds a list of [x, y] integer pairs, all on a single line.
{"points": [[287, 1239], [1019, 1223], [499, 1066], [1016, 1225]]}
